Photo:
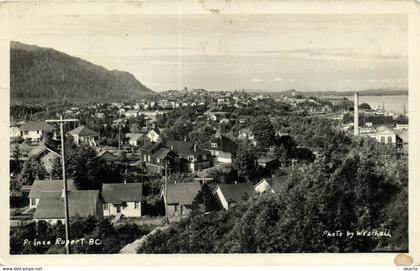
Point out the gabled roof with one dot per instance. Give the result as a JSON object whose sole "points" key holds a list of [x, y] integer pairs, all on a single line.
{"points": [[182, 193], [277, 183], [81, 203], [40, 186], [41, 149], [384, 130], [150, 146], [153, 130], [118, 193], [236, 192], [163, 153], [106, 156], [83, 131], [37, 126], [181, 147], [134, 136]]}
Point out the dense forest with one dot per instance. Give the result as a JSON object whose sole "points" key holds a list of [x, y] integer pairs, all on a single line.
{"points": [[47, 74]]}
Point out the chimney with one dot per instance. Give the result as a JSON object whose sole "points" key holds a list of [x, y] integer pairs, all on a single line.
{"points": [[356, 114], [195, 147]]}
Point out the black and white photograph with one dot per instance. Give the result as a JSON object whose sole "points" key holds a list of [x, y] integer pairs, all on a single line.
{"points": [[210, 133]]}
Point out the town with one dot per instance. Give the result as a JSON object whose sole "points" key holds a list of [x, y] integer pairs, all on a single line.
{"points": [[159, 161]]}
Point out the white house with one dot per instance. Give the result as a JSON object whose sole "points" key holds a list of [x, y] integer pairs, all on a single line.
{"points": [[82, 134], [36, 130], [40, 186], [385, 135], [229, 195], [134, 138], [82, 203], [153, 135], [131, 113], [122, 198]]}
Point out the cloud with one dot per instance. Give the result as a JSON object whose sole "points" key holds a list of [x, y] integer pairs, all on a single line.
{"points": [[335, 53], [278, 79], [256, 80]]}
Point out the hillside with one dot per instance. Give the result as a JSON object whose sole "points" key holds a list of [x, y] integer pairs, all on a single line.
{"points": [[47, 74]]}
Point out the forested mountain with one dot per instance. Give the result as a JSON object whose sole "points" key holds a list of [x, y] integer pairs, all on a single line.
{"points": [[44, 73]]}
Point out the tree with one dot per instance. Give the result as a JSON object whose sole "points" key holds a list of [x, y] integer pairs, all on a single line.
{"points": [[57, 169], [364, 106], [245, 161], [32, 170], [263, 131]]}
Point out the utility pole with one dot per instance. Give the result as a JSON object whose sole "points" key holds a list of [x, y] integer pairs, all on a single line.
{"points": [[166, 191], [61, 121]]}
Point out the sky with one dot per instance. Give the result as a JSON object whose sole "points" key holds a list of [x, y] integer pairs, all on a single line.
{"points": [[270, 52]]}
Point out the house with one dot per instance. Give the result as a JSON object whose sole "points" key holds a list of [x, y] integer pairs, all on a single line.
{"points": [[40, 186], [154, 135], [45, 154], [229, 195], [162, 157], [385, 135], [134, 139], [179, 198], [222, 148], [122, 198], [147, 149], [131, 113], [191, 157], [271, 185], [36, 130], [82, 203], [82, 134], [107, 156]]}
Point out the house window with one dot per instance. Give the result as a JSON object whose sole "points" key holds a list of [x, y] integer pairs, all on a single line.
{"points": [[106, 207], [26, 132], [214, 145], [382, 139], [389, 139], [118, 209], [37, 131], [175, 208], [191, 158], [136, 205]]}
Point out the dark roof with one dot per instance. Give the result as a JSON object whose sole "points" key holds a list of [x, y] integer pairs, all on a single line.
{"points": [[37, 126], [40, 186], [107, 156], [163, 153], [224, 144], [81, 203], [181, 147], [41, 148], [118, 193], [150, 146], [236, 192], [182, 193], [83, 131]]}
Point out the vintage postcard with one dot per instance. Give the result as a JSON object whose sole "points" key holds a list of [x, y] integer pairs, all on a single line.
{"points": [[200, 132]]}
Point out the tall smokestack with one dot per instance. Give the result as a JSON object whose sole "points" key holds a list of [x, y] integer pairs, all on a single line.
{"points": [[356, 114]]}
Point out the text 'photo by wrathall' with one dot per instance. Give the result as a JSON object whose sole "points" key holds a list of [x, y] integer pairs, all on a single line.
{"points": [[208, 133]]}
